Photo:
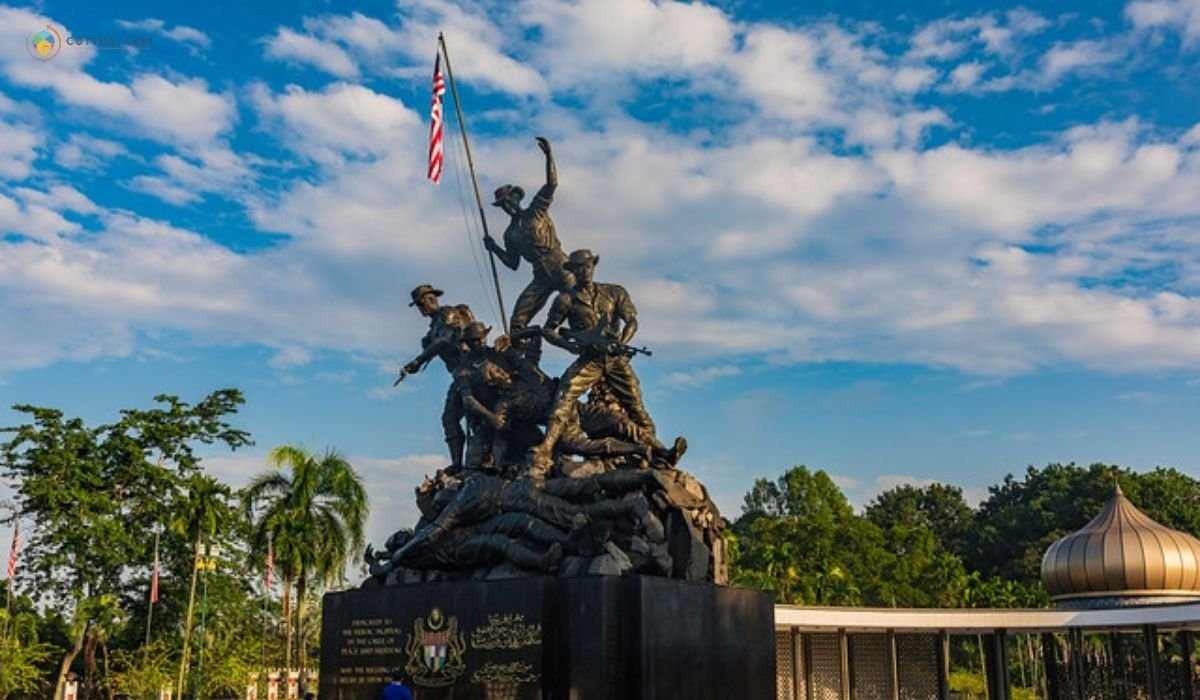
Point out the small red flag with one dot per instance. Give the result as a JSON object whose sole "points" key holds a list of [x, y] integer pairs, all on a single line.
{"points": [[435, 122], [14, 550]]}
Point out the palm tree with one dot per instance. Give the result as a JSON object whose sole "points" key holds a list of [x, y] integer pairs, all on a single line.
{"points": [[204, 509], [314, 514]]}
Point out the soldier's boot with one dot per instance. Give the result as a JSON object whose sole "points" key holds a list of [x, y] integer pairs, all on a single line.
{"points": [[668, 458], [541, 457], [456, 444]]}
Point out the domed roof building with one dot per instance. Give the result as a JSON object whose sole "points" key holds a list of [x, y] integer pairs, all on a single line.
{"points": [[1122, 558]]}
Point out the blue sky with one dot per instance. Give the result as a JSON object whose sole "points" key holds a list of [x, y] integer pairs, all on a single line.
{"points": [[930, 243]]}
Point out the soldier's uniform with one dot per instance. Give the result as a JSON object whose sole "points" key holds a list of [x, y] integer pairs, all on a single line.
{"points": [[585, 311], [478, 393], [594, 429], [531, 235], [443, 339]]}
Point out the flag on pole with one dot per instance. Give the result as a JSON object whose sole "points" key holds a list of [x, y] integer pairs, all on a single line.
{"points": [[270, 562], [435, 122], [16, 547], [154, 575]]}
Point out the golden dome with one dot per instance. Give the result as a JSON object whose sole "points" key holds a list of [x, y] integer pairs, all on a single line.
{"points": [[1122, 557]]}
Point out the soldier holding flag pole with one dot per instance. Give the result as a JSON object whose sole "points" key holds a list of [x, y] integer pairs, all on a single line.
{"points": [[435, 152]]}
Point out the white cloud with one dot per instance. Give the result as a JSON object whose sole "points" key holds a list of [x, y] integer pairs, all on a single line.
{"points": [[60, 198], [1147, 398], [345, 46], [1091, 170], [288, 45], [480, 44], [592, 39], [19, 145], [815, 226], [1064, 58], [290, 358], [185, 178], [181, 33], [997, 35], [966, 75], [341, 120], [176, 111], [1183, 15], [163, 189], [912, 79], [89, 153], [699, 377]]}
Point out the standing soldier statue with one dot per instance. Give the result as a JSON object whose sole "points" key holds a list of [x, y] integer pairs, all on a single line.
{"points": [[446, 325], [530, 235], [601, 321]]}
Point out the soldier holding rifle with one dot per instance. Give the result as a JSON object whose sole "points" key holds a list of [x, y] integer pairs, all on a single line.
{"points": [[601, 320], [444, 340]]}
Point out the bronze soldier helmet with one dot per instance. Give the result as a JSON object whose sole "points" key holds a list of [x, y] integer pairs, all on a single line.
{"points": [[581, 257], [505, 192], [423, 289]]}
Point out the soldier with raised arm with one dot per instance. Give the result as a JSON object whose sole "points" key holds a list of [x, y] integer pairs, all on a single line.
{"points": [[531, 235], [446, 325], [601, 320]]}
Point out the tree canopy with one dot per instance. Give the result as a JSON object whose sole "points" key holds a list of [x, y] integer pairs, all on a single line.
{"points": [[91, 498]]}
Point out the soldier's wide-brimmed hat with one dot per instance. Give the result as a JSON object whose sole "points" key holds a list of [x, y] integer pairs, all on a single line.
{"points": [[504, 192], [476, 331], [580, 258], [422, 290]]}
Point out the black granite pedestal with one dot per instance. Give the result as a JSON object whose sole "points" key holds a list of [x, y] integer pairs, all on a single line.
{"points": [[596, 638]]}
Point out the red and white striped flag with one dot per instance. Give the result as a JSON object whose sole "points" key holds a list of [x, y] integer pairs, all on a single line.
{"points": [[14, 550], [435, 122], [270, 563], [154, 575]]}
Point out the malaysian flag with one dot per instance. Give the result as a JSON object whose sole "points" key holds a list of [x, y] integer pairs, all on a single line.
{"points": [[154, 575], [435, 122], [12, 552]]}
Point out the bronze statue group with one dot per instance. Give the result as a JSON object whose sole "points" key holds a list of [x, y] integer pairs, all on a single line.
{"points": [[550, 475]]}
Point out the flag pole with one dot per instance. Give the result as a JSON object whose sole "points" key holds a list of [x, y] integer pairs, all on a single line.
{"points": [[462, 125], [12, 574], [7, 609], [267, 597], [153, 596]]}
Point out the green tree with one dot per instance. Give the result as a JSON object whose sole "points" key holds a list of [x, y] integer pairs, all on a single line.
{"points": [[799, 537], [923, 529], [938, 507], [24, 657], [95, 492], [203, 510], [313, 509], [1019, 520], [799, 493]]}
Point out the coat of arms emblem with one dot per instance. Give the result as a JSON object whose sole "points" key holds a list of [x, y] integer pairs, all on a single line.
{"points": [[435, 650]]}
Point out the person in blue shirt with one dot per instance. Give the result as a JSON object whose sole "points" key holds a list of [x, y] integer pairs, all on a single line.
{"points": [[396, 690]]}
